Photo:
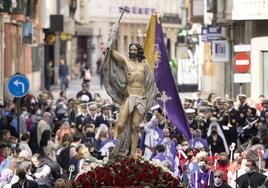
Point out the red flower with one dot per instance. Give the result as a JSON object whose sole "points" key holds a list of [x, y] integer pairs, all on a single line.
{"points": [[127, 172]]}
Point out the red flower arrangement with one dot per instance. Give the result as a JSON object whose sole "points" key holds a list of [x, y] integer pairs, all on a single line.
{"points": [[126, 172]]}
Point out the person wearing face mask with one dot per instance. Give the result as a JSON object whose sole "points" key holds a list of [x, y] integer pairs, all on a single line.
{"points": [[202, 177], [252, 178], [181, 156], [223, 165], [23, 181], [190, 161], [218, 180]]}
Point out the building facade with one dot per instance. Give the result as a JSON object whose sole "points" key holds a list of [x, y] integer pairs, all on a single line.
{"points": [[134, 24]]}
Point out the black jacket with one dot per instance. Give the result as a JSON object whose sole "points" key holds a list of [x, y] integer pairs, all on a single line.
{"points": [[27, 184]]}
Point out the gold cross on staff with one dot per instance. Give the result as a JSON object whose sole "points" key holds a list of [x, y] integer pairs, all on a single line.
{"points": [[164, 99]]}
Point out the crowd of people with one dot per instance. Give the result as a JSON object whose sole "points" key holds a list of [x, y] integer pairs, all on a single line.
{"points": [[228, 147]]}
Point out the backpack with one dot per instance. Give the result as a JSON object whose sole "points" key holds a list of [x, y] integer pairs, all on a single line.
{"points": [[64, 157], [87, 74]]}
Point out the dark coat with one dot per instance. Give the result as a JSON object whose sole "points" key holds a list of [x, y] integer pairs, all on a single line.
{"points": [[27, 184]]}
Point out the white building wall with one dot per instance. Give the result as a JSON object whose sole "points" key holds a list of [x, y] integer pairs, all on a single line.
{"points": [[257, 46], [103, 13], [47, 7]]}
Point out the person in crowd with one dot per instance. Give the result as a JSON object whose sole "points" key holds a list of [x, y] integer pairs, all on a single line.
{"points": [[43, 125], [198, 142], [211, 98], [218, 180], [62, 183], [104, 117], [49, 74], [216, 139], [165, 159], [64, 129], [100, 73], [81, 116], [4, 136], [3, 152], [72, 110], [77, 138], [47, 146], [23, 180], [86, 74], [63, 75], [82, 154], [223, 165], [23, 145], [84, 91], [102, 136], [236, 168], [92, 115], [10, 127], [259, 106], [252, 178], [33, 142], [153, 135], [242, 108], [42, 172], [202, 177], [199, 101], [170, 146], [89, 136]]}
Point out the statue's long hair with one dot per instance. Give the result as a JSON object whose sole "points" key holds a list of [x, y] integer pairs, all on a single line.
{"points": [[140, 51]]}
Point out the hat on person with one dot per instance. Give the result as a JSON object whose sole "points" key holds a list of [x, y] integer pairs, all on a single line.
{"points": [[190, 111], [106, 106], [84, 98], [93, 107], [242, 95]]}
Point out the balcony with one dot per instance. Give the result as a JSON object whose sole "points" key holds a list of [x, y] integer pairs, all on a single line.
{"points": [[27, 7]]}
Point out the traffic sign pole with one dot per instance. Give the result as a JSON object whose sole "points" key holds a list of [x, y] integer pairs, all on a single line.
{"points": [[18, 86], [18, 115]]}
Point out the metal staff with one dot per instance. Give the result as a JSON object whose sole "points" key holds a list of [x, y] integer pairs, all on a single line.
{"points": [[113, 33]]}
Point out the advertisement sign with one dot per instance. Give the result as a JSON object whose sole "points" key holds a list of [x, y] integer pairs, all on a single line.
{"points": [[220, 51], [27, 33]]}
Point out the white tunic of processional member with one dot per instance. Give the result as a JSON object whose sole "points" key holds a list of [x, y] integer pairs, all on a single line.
{"points": [[152, 137]]}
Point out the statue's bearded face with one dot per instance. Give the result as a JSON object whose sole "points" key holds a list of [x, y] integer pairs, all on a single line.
{"points": [[133, 52]]}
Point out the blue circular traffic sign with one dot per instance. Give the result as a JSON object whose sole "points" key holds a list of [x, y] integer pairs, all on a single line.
{"points": [[18, 85]]}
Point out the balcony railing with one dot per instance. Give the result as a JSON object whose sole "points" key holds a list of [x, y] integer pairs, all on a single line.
{"points": [[27, 7]]}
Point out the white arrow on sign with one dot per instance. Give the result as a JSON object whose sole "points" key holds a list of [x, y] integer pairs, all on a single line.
{"points": [[17, 83]]}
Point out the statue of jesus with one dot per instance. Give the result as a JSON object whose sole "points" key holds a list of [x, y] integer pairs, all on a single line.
{"points": [[129, 82]]}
